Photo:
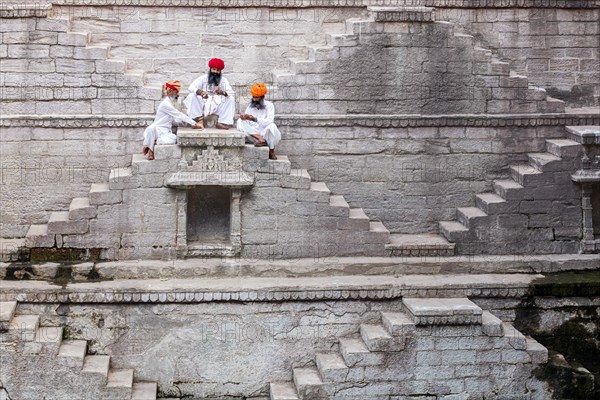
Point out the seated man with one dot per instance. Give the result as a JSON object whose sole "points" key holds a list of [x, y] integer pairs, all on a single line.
{"points": [[159, 132], [212, 94], [258, 123]]}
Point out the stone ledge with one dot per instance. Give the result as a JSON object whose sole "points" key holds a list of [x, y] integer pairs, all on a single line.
{"points": [[269, 289], [340, 3], [362, 120], [436, 311], [25, 10]]}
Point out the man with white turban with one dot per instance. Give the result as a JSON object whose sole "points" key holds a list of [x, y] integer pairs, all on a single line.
{"points": [[258, 120], [159, 132], [212, 94]]}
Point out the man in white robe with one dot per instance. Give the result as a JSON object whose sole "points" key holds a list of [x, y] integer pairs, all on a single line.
{"points": [[258, 120], [159, 132], [212, 94]]}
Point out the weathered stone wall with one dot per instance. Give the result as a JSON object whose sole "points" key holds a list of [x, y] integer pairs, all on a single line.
{"points": [[412, 178], [43, 169], [556, 48], [215, 349]]}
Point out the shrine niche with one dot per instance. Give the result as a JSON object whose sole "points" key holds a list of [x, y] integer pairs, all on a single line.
{"points": [[210, 177]]}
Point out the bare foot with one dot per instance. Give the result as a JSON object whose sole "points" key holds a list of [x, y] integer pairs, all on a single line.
{"points": [[150, 155], [222, 126], [145, 150], [272, 155]]}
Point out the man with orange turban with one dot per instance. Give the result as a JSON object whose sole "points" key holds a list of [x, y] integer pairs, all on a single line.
{"points": [[212, 94], [159, 132], [258, 120]]}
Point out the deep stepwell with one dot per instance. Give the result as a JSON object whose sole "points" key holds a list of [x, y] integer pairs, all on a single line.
{"points": [[433, 208]]}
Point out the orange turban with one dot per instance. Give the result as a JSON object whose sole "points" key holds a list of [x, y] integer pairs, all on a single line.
{"points": [[216, 63], [176, 85], [258, 90]]}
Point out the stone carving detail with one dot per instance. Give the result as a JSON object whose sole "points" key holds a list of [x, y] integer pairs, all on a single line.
{"points": [[211, 160]]}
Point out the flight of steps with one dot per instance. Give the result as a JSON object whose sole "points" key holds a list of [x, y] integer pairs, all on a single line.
{"points": [[31, 338], [505, 213], [400, 355], [311, 72], [78, 228], [351, 222]]}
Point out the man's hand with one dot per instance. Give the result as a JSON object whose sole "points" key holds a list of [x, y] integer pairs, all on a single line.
{"points": [[199, 125], [221, 92], [202, 93]]}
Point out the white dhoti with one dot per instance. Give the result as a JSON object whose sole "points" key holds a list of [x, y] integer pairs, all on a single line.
{"points": [[223, 106], [158, 135], [269, 132]]}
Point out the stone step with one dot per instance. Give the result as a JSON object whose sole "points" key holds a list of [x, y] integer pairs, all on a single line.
{"points": [[537, 352], [526, 175], [72, 353], [583, 134], [454, 231], [49, 339], [23, 327], [563, 148], [119, 177], [376, 338], [507, 189], [491, 203], [281, 166], [471, 216], [358, 220], [119, 383], [97, 365], [38, 236], [144, 391], [421, 245], [332, 367], [442, 311], [500, 68], [491, 325], [318, 193], [297, 179], [516, 339], [308, 383], [283, 391], [323, 53], [7, 311], [554, 105], [342, 40], [100, 194], [339, 204], [398, 323], [547, 162], [80, 208], [59, 223], [356, 354], [379, 228]]}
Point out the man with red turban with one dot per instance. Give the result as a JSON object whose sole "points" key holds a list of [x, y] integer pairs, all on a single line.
{"points": [[212, 94], [258, 120], [159, 132]]}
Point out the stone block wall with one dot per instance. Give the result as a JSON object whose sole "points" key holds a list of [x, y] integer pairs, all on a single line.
{"points": [[412, 178], [556, 48], [44, 168]]}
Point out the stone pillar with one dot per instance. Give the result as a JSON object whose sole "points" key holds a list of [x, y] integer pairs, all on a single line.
{"points": [[181, 240], [586, 205], [236, 221]]}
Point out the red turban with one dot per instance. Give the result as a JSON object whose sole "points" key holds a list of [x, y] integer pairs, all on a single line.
{"points": [[216, 63], [258, 90], [174, 84]]}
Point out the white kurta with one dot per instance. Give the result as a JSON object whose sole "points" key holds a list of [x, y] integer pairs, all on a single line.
{"points": [[264, 125], [223, 106], [159, 132]]}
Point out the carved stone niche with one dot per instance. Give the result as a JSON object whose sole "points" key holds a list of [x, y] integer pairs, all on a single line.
{"points": [[589, 179], [210, 179]]}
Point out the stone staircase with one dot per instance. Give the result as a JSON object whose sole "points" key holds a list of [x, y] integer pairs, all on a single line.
{"points": [[510, 92], [534, 208], [433, 346], [94, 222], [28, 337]]}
